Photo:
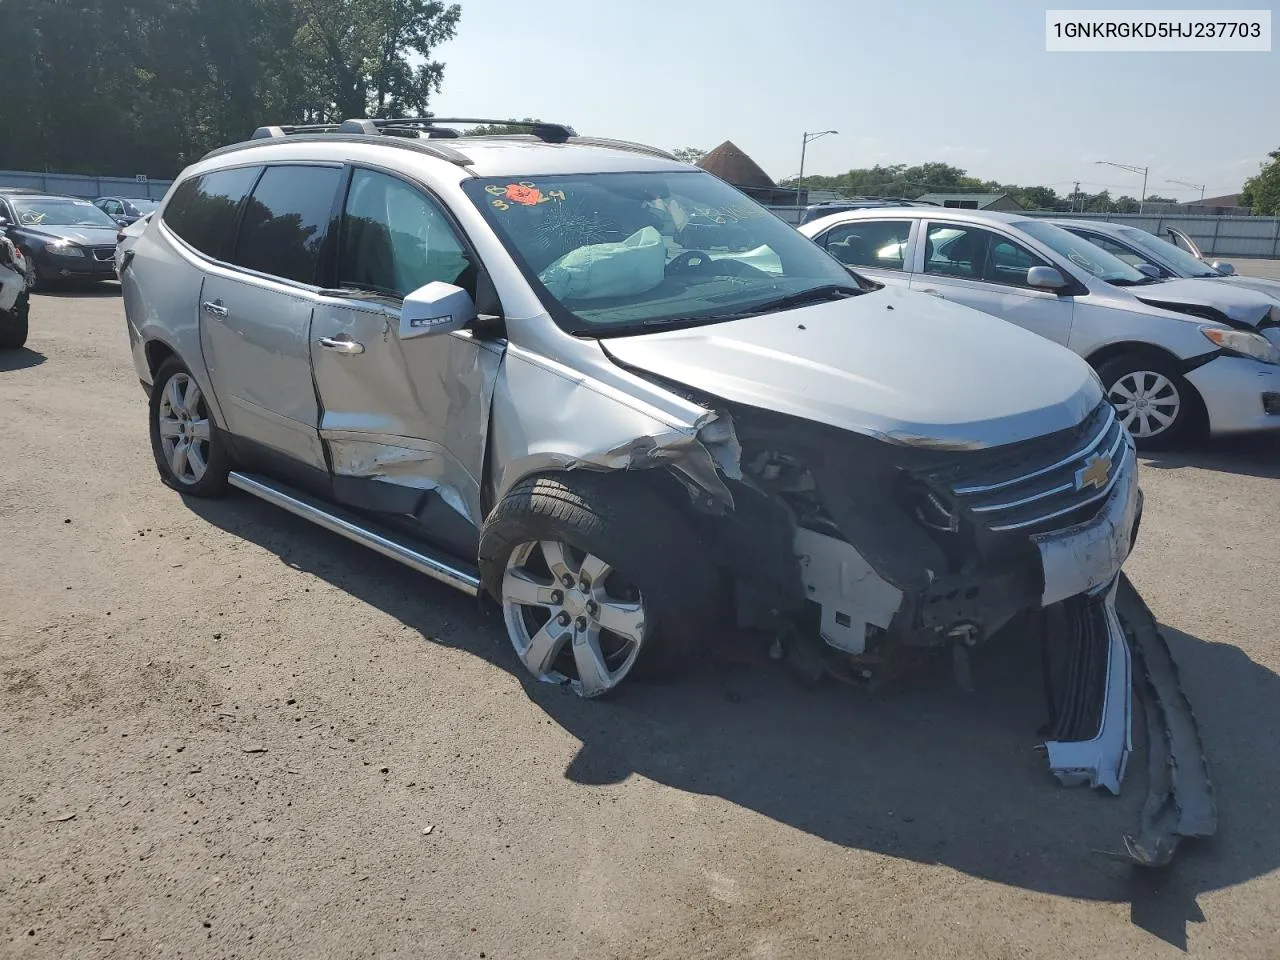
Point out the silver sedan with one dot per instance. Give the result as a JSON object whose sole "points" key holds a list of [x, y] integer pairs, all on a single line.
{"points": [[1175, 355]]}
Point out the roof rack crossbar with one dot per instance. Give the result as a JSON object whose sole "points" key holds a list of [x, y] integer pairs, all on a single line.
{"points": [[549, 132], [288, 130]]}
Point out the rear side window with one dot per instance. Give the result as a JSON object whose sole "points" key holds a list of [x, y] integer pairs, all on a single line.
{"points": [[870, 243], [286, 221], [203, 209]]}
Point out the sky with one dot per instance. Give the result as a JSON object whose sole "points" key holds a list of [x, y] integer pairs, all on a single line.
{"points": [[968, 84]]}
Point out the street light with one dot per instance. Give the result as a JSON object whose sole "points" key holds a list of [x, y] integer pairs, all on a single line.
{"points": [[1132, 169], [1194, 186], [803, 145]]}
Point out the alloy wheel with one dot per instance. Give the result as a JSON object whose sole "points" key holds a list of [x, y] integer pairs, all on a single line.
{"points": [[571, 617], [184, 428]]}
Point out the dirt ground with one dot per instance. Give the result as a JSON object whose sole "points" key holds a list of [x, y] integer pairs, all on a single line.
{"points": [[226, 733]]}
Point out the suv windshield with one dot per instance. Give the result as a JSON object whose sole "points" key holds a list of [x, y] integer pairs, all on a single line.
{"points": [[1182, 263], [608, 252], [60, 213], [1085, 255]]}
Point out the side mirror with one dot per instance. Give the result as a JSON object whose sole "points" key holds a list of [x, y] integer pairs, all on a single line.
{"points": [[1226, 269], [1148, 270], [437, 307], [1046, 278]]}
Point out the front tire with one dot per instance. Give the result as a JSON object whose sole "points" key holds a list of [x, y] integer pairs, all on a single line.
{"points": [[1154, 402], [190, 451], [598, 578]]}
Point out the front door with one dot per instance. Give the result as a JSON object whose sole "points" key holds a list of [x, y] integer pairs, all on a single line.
{"points": [[875, 248], [400, 406], [988, 271], [255, 315]]}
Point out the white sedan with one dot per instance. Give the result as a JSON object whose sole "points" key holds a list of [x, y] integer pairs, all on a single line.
{"points": [[1174, 355]]}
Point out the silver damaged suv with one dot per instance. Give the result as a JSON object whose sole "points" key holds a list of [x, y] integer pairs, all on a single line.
{"points": [[640, 412]]}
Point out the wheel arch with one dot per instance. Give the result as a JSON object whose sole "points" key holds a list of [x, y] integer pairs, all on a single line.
{"points": [[1113, 351]]}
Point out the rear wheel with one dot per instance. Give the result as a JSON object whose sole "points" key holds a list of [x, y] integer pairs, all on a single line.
{"points": [[189, 450], [14, 324], [598, 579], [1153, 400]]}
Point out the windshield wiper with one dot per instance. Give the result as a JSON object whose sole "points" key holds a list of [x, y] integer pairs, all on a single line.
{"points": [[828, 291], [1122, 282]]}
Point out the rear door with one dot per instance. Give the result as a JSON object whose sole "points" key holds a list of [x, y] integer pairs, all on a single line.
{"points": [[987, 270], [405, 409], [879, 249], [255, 314]]}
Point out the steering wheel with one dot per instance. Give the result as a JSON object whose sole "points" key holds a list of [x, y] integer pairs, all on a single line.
{"points": [[689, 262]]}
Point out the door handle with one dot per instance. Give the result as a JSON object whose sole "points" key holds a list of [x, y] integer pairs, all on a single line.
{"points": [[342, 346], [214, 308]]}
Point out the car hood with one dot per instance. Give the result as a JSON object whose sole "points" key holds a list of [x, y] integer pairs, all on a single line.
{"points": [[905, 367], [1270, 288], [87, 236], [1240, 304]]}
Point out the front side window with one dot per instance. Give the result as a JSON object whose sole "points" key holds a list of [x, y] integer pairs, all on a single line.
{"points": [[286, 220], [395, 239], [202, 210], [612, 252], [60, 212], [1085, 255], [870, 243]]}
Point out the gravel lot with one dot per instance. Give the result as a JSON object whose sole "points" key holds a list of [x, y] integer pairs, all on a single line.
{"points": [[227, 733]]}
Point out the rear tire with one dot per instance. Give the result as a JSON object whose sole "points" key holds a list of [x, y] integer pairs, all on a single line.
{"points": [[14, 325], [190, 451], [1153, 399], [552, 534]]}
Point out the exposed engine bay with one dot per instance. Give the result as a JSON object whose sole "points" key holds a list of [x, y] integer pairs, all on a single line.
{"points": [[902, 549]]}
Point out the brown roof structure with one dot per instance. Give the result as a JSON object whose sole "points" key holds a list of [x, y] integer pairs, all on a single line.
{"points": [[730, 164]]}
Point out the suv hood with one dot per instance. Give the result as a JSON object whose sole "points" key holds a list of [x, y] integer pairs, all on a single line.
{"points": [[1239, 304], [905, 367], [87, 236]]}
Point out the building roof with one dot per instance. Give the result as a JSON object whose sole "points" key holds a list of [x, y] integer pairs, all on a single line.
{"points": [[981, 199], [1227, 200], [732, 165]]}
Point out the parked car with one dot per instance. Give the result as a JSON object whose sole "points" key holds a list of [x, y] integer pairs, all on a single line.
{"points": [[15, 301], [1173, 355], [125, 210], [827, 207], [62, 238], [500, 363], [1137, 247], [126, 238]]}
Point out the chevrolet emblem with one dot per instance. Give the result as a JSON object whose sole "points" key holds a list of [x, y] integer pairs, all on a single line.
{"points": [[1095, 472]]}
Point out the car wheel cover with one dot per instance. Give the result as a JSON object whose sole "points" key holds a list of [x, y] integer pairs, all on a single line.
{"points": [[571, 617], [183, 419], [1147, 402]]}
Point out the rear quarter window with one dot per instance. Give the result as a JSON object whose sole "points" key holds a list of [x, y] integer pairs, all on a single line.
{"points": [[203, 209]]}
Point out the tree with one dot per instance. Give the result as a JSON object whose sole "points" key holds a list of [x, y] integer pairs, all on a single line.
{"points": [[497, 129], [1262, 191], [1156, 198], [372, 56], [689, 154], [1126, 204], [1036, 198]]}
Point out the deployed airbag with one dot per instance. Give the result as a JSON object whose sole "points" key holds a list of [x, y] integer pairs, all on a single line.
{"points": [[601, 270]]}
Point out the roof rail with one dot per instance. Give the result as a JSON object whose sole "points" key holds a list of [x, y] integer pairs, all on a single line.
{"points": [[437, 150], [288, 130], [548, 132], [627, 145]]}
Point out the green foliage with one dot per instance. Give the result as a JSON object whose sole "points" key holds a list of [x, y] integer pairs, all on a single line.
{"points": [[147, 86], [1262, 191], [1156, 198], [901, 180], [689, 154], [497, 129]]}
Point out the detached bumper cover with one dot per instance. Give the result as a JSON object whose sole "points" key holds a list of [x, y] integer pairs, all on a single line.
{"points": [[1232, 389]]}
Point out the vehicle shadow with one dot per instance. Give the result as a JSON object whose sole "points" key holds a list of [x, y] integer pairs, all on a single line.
{"points": [[1251, 455], [20, 359], [919, 770]]}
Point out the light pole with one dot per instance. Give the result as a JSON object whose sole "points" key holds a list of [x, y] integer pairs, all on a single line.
{"points": [[1194, 186], [1132, 169], [803, 146]]}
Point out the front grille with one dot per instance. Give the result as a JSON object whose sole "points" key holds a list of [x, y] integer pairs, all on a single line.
{"points": [[103, 254], [1052, 486]]}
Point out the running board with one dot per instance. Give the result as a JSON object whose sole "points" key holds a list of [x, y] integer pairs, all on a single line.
{"points": [[357, 529]]}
